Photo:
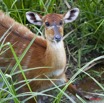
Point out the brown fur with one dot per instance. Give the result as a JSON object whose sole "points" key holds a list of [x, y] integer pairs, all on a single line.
{"points": [[42, 52]]}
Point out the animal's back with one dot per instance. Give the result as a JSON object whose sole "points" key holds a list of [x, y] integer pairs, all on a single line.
{"points": [[20, 37], [36, 58]]}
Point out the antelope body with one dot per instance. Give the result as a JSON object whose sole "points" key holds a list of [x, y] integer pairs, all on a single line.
{"points": [[48, 53]]}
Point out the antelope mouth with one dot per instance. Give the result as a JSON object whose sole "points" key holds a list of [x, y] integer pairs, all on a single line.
{"points": [[57, 38]]}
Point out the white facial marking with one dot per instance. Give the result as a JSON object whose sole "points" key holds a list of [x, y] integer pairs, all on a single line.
{"points": [[50, 27], [58, 45]]}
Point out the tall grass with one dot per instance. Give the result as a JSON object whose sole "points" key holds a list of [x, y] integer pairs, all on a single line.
{"points": [[86, 38]]}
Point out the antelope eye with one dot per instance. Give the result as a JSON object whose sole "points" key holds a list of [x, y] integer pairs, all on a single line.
{"points": [[47, 24], [60, 23]]}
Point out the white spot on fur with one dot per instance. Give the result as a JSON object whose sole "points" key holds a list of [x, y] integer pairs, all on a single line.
{"points": [[2, 17], [20, 28], [57, 72], [61, 81]]}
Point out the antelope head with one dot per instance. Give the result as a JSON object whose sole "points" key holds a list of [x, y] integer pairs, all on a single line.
{"points": [[53, 23]]}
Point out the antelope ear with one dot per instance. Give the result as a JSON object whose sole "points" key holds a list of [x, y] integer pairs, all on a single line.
{"points": [[71, 15], [34, 18]]}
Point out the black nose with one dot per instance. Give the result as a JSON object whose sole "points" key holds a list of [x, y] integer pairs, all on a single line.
{"points": [[58, 38]]}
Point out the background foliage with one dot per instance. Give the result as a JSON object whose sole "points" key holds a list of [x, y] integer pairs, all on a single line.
{"points": [[84, 38]]}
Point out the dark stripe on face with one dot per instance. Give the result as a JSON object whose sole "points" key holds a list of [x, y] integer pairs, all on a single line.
{"points": [[57, 35]]}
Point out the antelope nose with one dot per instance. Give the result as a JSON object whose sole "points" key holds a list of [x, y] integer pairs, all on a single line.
{"points": [[57, 38]]}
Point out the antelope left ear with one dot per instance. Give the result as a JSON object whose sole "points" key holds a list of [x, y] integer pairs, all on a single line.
{"points": [[71, 15]]}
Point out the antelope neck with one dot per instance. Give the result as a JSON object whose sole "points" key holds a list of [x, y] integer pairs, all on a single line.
{"points": [[56, 53]]}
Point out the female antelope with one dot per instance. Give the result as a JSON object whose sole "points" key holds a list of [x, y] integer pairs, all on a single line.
{"points": [[48, 53]]}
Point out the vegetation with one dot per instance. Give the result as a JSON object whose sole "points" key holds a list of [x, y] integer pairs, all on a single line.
{"points": [[84, 41]]}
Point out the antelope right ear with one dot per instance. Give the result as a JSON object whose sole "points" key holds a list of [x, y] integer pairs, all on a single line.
{"points": [[34, 18], [71, 15]]}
